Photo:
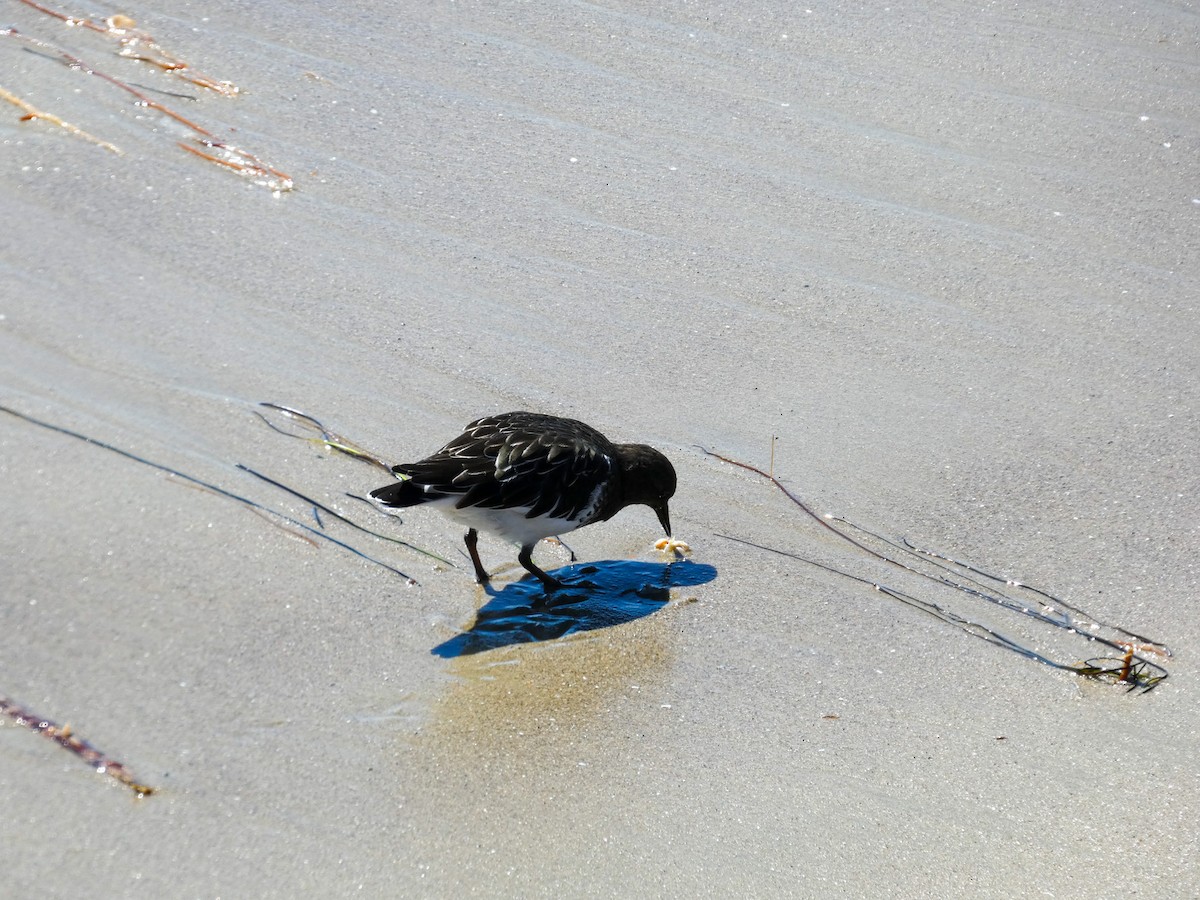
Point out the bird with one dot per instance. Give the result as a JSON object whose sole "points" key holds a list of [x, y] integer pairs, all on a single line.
{"points": [[526, 476]]}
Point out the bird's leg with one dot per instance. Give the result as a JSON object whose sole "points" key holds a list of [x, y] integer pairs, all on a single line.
{"points": [[525, 559], [471, 539], [563, 544]]}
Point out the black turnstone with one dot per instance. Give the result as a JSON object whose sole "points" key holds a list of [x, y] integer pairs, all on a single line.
{"points": [[526, 476]]}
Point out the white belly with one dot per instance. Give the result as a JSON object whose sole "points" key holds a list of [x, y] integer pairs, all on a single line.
{"points": [[509, 524]]}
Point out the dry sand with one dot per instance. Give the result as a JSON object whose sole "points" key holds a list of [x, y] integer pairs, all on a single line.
{"points": [[947, 254]]}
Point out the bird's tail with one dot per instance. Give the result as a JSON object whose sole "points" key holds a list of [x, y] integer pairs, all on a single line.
{"points": [[402, 493]]}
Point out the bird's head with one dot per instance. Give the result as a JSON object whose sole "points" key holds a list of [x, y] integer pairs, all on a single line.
{"points": [[648, 478]]}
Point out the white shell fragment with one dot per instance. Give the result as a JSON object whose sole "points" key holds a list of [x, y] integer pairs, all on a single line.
{"points": [[671, 545]]}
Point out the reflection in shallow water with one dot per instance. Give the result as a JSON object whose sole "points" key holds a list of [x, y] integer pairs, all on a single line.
{"points": [[594, 595]]}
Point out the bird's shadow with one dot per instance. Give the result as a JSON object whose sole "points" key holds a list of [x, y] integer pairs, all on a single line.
{"points": [[593, 595]]}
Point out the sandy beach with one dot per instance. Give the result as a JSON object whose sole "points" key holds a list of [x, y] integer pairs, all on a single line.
{"points": [[933, 265]]}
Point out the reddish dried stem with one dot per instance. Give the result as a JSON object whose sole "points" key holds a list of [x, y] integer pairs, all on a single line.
{"points": [[63, 736], [76, 63], [63, 17], [250, 164], [130, 38]]}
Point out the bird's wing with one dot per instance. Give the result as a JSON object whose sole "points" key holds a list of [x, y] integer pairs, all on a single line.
{"points": [[551, 471]]}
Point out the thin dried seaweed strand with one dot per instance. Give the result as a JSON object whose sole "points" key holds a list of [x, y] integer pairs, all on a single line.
{"points": [[317, 505], [76, 63], [212, 487], [130, 38], [1047, 598], [975, 629], [1048, 615], [266, 517], [66, 738], [32, 113], [820, 520], [339, 444], [328, 439], [244, 162], [1134, 670]]}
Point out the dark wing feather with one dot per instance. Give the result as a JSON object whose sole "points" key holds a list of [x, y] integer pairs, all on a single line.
{"points": [[519, 459]]}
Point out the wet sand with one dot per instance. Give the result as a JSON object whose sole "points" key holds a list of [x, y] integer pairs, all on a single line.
{"points": [[946, 258]]}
